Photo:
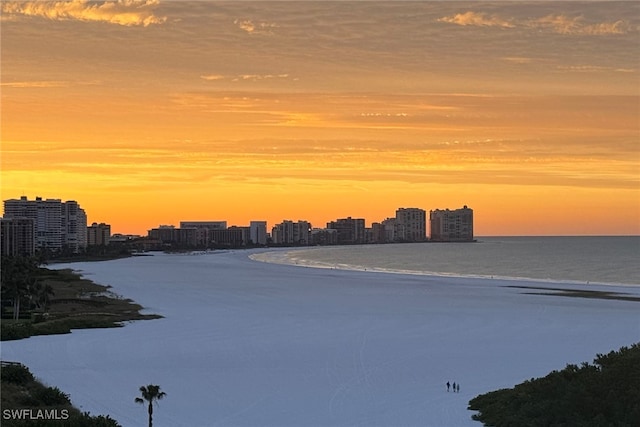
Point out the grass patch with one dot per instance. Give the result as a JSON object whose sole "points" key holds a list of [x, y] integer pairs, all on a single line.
{"points": [[77, 303]]}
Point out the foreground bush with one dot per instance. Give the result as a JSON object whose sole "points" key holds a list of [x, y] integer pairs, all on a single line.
{"points": [[25, 402], [605, 393]]}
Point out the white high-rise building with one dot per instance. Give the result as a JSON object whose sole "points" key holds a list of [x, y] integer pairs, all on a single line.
{"points": [[57, 224], [74, 226]]}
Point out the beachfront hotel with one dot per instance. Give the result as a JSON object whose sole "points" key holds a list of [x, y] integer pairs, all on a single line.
{"points": [[451, 225]]}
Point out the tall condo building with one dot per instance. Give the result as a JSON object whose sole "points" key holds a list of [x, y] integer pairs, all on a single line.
{"points": [[98, 234], [57, 224], [17, 236], [74, 226], [291, 233], [350, 230], [451, 226], [209, 225], [258, 232], [411, 225]]}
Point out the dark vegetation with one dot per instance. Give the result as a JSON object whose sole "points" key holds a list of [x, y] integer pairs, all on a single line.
{"points": [[605, 393], [39, 301], [89, 253], [150, 394], [578, 293], [20, 390]]}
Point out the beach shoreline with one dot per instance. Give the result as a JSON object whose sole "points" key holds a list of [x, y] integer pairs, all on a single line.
{"points": [[289, 256], [258, 344]]}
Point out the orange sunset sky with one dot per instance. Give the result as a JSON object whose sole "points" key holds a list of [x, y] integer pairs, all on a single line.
{"points": [[152, 112]]}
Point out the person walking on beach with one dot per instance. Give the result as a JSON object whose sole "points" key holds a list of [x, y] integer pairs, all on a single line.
{"points": [[458, 388], [448, 386], [454, 387]]}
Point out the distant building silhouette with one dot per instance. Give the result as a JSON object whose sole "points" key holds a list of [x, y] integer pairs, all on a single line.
{"points": [[17, 237], [291, 233], [258, 232], [98, 234], [411, 225], [451, 226], [350, 230]]}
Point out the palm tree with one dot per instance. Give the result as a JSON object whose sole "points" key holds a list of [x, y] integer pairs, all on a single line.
{"points": [[18, 277], [149, 394]]}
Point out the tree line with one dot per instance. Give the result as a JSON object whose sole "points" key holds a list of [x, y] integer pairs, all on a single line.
{"points": [[21, 284], [605, 393]]}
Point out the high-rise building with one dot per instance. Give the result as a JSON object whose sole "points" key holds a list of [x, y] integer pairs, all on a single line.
{"points": [[210, 225], [350, 230], [376, 234], [258, 232], [411, 225], [389, 226], [163, 233], [451, 225], [57, 224], [98, 234], [291, 233], [17, 237], [74, 226]]}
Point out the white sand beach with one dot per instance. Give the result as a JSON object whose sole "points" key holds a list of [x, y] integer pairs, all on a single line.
{"points": [[248, 343]]}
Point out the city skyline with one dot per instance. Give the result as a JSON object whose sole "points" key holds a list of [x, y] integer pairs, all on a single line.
{"points": [[154, 112]]}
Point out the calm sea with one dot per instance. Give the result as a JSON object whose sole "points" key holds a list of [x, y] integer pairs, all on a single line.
{"points": [[609, 260]]}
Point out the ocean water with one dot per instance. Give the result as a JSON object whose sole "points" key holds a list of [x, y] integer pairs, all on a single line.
{"points": [[579, 259]]}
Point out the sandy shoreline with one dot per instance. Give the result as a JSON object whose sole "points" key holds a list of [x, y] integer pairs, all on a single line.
{"points": [[246, 343], [296, 257]]}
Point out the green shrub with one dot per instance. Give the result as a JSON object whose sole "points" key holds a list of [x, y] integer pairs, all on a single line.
{"points": [[16, 374], [51, 396], [15, 331], [605, 393]]}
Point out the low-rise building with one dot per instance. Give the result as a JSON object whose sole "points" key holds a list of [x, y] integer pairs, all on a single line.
{"points": [[324, 236]]}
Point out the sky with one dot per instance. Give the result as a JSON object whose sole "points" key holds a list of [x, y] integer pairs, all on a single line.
{"points": [[152, 112]]}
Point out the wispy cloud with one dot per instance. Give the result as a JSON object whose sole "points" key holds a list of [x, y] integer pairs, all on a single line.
{"points": [[518, 59], [255, 27], [35, 84], [212, 77], [477, 19], [244, 77], [556, 23], [120, 12], [563, 24], [586, 68]]}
